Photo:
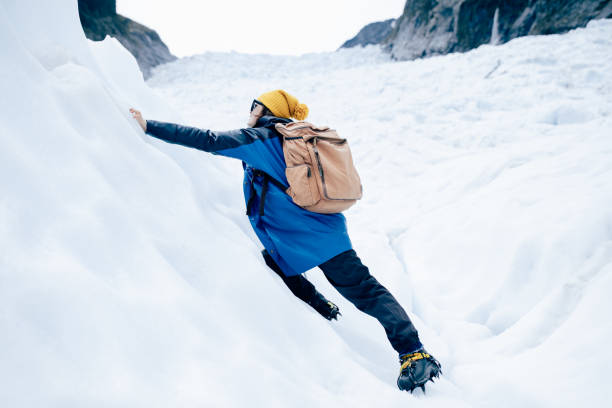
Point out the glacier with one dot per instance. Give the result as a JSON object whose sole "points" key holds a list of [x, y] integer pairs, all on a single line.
{"points": [[129, 275]]}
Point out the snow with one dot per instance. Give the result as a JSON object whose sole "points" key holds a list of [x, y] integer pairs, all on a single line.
{"points": [[129, 275]]}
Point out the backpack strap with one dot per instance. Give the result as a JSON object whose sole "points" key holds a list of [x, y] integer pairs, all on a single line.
{"points": [[262, 199], [264, 190]]}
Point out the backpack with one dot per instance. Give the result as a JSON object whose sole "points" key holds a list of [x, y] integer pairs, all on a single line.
{"points": [[320, 170]]}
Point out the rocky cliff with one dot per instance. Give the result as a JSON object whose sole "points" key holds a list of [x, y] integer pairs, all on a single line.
{"points": [[373, 33], [99, 18], [429, 27]]}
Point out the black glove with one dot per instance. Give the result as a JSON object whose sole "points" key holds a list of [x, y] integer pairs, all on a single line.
{"points": [[324, 307]]}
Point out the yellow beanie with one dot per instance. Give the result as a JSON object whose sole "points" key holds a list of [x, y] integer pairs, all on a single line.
{"points": [[284, 105]]}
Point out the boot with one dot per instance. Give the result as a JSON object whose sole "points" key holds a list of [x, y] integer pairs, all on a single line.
{"points": [[416, 369], [324, 307]]}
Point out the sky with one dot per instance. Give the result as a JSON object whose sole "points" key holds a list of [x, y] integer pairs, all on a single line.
{"points": [[191, 27]]}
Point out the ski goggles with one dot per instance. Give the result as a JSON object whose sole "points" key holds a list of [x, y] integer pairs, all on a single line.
{"points": [[255, 103]]}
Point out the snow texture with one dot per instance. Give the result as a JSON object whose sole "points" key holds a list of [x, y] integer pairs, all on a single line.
{"points": [[129, 275]]}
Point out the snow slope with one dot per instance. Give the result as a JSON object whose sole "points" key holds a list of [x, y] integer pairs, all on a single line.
{"points": [[129, 275]]}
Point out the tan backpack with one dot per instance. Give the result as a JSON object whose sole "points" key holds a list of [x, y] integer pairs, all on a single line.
{"points": [[320, 170]]}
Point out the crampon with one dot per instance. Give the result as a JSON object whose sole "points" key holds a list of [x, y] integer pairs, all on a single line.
{"points": [[417, 368]]}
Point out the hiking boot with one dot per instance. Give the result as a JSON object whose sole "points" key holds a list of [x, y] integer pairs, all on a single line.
{"points": [[324, 307], [417, 368]]}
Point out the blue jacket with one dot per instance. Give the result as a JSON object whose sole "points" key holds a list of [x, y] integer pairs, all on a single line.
{"points": [[297, 239]]}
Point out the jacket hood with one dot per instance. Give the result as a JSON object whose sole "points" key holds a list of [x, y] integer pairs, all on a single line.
{"points": [[270, 121]]}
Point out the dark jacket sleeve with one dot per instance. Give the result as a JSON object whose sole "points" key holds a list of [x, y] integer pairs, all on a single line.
{"points": [[250, 145], [202, 139]]}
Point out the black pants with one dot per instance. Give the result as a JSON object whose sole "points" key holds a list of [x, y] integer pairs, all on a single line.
{"points": [[353, 280], [298, 284]]}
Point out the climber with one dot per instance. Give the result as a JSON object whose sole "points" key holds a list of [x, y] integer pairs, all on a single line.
{"points": [[295, 239]]}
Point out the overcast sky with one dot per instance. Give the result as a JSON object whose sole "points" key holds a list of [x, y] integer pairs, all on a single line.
{"points": [[266, 26]]}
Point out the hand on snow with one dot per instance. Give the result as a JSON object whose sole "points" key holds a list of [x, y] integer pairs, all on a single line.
{"points": [[138, 116]]}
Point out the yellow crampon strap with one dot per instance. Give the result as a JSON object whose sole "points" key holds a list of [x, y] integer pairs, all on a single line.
{"points": [[409, 358]]}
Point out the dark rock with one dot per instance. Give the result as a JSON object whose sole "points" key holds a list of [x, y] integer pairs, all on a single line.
{"points": [[99, 18], [98, 8], [430, 27], [426, 27], [373, 33]]}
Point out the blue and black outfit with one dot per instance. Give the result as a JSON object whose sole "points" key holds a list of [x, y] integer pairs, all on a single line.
{"points": [[295, 239]]}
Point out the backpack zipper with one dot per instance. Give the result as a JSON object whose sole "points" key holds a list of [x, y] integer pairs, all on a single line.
{"points": [[315, 130], [320, 167]]}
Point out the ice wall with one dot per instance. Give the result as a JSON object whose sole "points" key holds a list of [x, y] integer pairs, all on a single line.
{"points": [[127, 275]]}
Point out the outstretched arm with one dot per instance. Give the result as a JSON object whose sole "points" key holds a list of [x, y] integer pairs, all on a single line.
{"points": [[201, 139], [253, 146]]}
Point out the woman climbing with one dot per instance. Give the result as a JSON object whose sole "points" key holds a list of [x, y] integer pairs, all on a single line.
{"points": [[295, 239]]}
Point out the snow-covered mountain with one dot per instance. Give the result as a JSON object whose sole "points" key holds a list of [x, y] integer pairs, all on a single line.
{"points": [[129, 275]]}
